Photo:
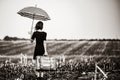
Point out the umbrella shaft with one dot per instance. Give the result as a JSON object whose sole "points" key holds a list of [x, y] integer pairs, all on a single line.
{"points": [[32, 26]]}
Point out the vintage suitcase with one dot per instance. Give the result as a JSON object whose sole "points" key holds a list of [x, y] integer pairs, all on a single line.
{"points": [[46, 63]]}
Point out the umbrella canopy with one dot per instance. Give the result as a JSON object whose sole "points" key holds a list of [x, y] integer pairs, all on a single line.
{"points": [[34, 13]]}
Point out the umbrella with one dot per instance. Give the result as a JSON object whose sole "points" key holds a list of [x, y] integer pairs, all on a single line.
{"points": [[35, 14]]}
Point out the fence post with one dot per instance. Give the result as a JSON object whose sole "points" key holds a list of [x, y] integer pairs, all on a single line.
{"points": [[95, 76], [21, 58], [25, 59]]}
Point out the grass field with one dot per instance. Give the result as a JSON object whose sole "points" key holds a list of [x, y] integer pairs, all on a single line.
{"points": [[68, 48], [105, 53]]}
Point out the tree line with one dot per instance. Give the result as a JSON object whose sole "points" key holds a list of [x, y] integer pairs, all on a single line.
{"points": [[8, 38]]}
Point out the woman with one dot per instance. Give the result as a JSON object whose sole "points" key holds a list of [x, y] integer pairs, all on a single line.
{"points": [[40, 48], [40, 37]]}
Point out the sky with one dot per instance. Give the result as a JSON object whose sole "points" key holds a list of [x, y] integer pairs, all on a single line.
{"points": [[70, 19]]}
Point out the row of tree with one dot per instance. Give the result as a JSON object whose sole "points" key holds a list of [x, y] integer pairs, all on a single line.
{"points": [[8, 38], [85, 39]]}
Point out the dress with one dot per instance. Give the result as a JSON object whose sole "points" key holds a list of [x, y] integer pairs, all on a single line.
{"points": [[39, 48]]}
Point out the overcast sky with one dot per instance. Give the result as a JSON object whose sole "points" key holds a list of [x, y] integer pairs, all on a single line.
{"points": [[70, 19]]}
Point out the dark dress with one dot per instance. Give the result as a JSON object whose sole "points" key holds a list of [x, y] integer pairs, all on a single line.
{"points": [[39, 48]]}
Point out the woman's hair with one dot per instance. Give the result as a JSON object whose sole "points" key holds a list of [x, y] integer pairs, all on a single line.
{"points": [[39, 25]]}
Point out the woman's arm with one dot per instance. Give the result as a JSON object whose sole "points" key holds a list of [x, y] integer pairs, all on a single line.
{"points": [[45, 46], [32, 37]]}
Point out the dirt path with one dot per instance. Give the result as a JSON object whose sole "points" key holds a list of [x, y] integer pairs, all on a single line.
{"points": [[86, 48], [77, 44], [104, 47]]}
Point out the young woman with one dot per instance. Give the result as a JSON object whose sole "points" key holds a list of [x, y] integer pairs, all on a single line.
{"points": [[40, 36], [40, 48]]}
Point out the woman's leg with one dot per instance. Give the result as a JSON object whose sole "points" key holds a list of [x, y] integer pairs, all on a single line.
{"points": [[37, 62], [38, 66]]}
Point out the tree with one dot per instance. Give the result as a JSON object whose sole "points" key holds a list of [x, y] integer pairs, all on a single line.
{"points": [[6, 38]]}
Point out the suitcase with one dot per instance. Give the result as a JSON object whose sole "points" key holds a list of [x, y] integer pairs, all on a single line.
{"points": [[46, 63]]}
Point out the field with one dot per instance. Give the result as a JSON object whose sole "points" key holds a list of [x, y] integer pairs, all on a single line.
{"points": [[69, 48], [81, 57]]}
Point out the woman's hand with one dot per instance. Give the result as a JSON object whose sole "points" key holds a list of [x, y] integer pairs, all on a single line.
{"points": [[46, 53], [31, 40]]}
